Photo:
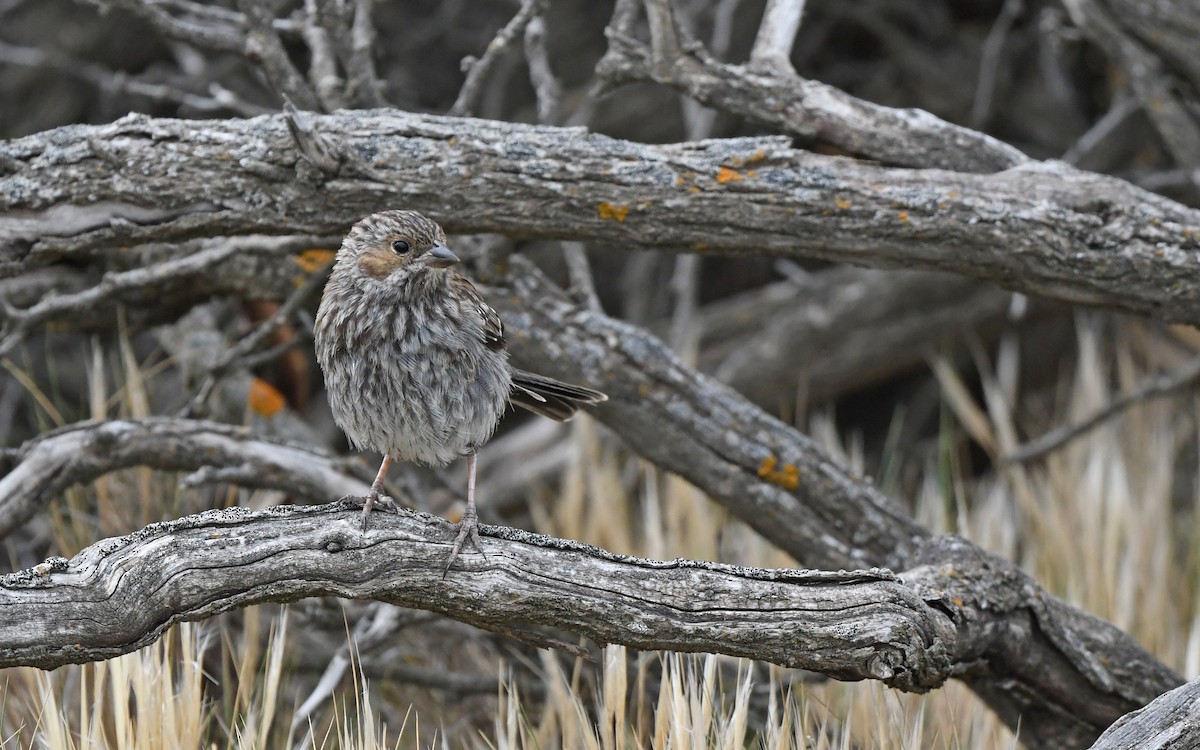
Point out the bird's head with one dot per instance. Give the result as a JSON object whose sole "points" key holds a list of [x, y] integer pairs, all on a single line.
{"points": [[389, 242]]}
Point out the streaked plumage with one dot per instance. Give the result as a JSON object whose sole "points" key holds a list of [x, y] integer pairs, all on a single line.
{"points": [[414, 358]]}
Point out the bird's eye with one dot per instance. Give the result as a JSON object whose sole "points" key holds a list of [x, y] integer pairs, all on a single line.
{"points": [[400, 247]]}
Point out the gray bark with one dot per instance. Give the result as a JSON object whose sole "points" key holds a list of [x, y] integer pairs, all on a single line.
{"points": [[121, 594], [912, 632], [1042, 228], [1170, 722], [78, 453]]}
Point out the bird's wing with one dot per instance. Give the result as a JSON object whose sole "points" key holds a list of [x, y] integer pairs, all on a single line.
{"points": [[493, 327]]}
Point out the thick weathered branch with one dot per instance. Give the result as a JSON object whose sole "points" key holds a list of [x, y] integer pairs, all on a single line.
{"points": [[1039, 662], [121, 594], [78, 453], [1043, 228], [1170, 722], [1059, 674], [770, 475], [911, 632]]}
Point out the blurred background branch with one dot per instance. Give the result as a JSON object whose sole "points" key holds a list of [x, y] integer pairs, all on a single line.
{"points": [[693, 172]]}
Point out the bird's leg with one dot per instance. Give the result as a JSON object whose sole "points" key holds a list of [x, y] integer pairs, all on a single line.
{"points": [[469, 525], [377, 495]]}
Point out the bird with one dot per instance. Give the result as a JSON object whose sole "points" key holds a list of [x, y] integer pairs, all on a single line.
{"points": [[415, 360]]}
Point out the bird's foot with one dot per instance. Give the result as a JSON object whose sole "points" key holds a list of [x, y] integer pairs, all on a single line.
{"points": [[468, 528], [369, 503]]}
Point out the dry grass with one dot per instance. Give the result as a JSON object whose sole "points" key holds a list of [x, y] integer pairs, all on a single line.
{"points": [[1109, 523]]}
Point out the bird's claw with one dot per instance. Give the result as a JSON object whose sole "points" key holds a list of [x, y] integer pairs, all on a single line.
{"points": [[468, 528], [369, 503]]}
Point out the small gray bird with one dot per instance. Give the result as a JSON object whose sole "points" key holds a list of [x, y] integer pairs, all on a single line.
{"points": [[414, 359]]}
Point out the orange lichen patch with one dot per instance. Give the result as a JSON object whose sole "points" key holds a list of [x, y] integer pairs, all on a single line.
{"points": [[767, 467], [609, 211], [264, 399], [787, 477], [739, 161], [958, 602], [725, 174], [313, 259], [903, 217], [842, 203]]}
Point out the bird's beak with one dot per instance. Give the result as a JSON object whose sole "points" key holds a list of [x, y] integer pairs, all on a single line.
{"points": [[440, 256]]}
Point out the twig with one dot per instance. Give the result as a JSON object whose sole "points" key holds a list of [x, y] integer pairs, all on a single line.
{"points": [[665, 48], [804, 108], [240, 352], [1150, 80], [684, 336], [776, 35], [1124, 105], [216, 31], [20, 322], [989, 63], [322, 69], [477, 69], [262, 46], [365, 87], [545, 84], [113, 81], [315, 147], [78, 453], [1154, 387], [582, 285], [254, 359], [368, 632]]}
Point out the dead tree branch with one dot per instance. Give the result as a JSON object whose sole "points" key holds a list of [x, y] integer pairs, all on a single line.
{"points": [[121, 594], [79, 453], [778, 99], [776, 480], [1170, 722], [909, 632], [1042, 228]]}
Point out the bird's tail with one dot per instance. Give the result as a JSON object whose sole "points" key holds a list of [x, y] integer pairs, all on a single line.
{"points": [[549, 397]]}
